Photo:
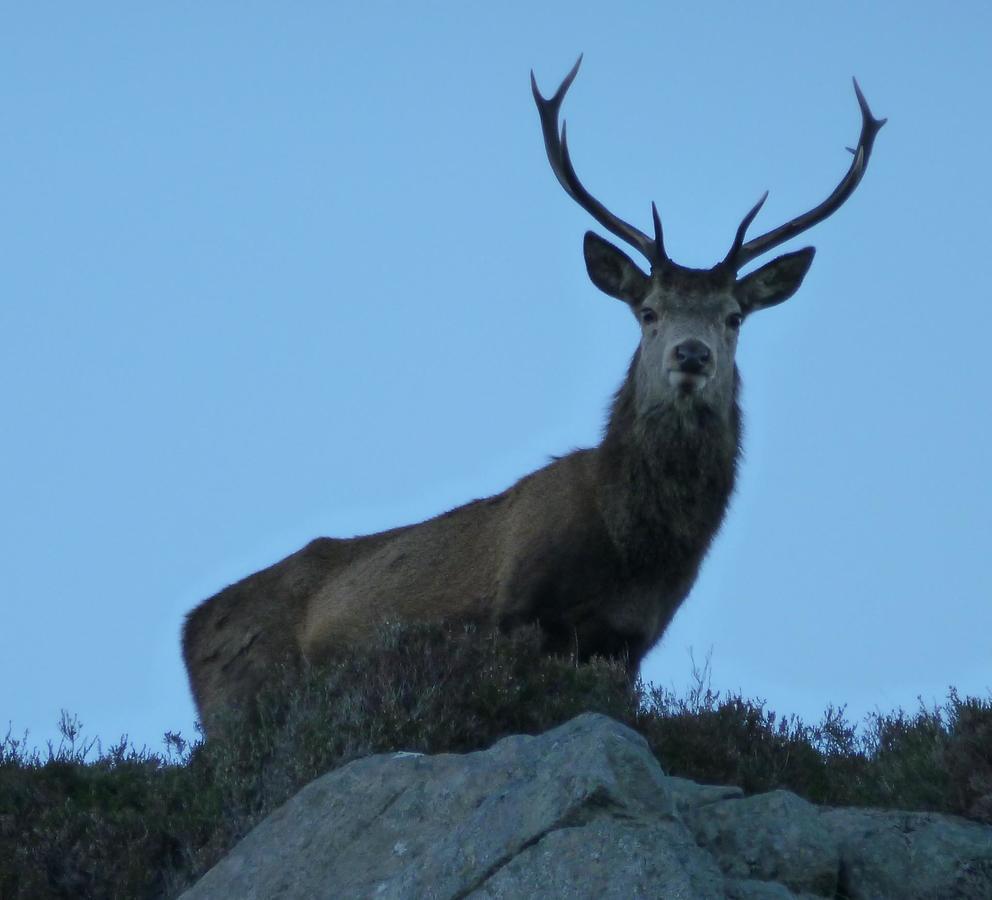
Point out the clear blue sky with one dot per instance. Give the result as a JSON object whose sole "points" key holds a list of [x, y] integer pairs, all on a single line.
{"points": [[273, 271]]}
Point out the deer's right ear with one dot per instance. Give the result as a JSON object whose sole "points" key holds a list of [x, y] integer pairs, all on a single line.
{"points": [[612, 271]]}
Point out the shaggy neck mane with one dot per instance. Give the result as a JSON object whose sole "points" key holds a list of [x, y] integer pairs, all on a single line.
{"points": [[665, 478]]}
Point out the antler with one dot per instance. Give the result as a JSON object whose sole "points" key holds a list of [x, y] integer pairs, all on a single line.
{"points": [[561, 165], [741, 254]]}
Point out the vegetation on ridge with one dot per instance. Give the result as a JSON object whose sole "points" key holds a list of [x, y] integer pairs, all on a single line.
{"points": [[129, 823]]}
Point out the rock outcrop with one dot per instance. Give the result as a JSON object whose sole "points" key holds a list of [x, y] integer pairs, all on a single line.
{"points": [[584, 811]]}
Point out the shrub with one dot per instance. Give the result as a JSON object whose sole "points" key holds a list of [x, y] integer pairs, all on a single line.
{"points": [[138, 824]]}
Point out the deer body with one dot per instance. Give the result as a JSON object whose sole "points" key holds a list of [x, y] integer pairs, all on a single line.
{"points": [[599, 547]]}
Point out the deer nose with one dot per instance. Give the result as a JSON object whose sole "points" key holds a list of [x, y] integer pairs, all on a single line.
{"points": [[693, 356]]}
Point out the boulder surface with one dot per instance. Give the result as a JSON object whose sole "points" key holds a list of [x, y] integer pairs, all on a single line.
{"points": [[584, 811]]}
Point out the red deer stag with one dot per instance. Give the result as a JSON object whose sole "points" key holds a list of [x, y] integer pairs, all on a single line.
{"points": [[599, 547]]}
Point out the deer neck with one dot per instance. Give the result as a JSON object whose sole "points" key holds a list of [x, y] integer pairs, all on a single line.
{"points": [[664, 479]]}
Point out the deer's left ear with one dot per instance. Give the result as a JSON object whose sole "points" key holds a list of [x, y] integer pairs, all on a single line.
{"points": [[773, 282]]}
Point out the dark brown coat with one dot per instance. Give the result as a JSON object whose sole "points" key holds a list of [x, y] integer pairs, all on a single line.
{"points": [[600, 547]]}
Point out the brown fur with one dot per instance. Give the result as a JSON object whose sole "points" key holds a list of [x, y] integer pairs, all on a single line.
{"points": [[599, 547]]}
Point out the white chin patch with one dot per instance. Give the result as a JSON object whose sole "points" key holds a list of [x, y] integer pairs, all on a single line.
{"points": [[686, 382]]}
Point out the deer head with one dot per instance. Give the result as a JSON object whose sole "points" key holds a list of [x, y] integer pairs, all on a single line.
{"points": [[690, 318]]}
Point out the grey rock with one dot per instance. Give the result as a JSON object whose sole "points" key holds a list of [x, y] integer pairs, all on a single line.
{"points": [[584, 811], [912, 856], [609, 860], [689, 795], [442, 826], [771, 837], [745, 889]]}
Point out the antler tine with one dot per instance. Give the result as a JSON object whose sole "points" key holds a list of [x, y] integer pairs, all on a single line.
{"points": [[741, 255], [659, 237], [742, 230], [561, 164]]}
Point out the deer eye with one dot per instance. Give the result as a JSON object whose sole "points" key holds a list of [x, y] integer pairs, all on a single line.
{"points": [[648, 316], [734, 320]]}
